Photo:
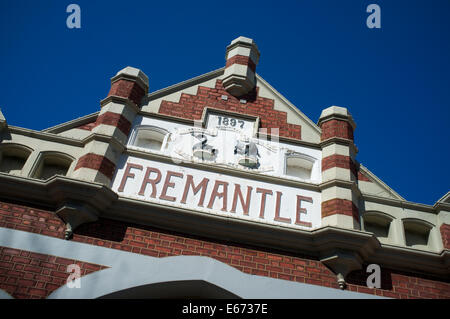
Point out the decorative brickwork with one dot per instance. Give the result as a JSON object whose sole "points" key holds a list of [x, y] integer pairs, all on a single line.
{"points": [[31, 220], [109, 118], [114, 119], [445, 233], [24, 274], [362, 177], [97, 162], [340, 206], [127, 89], [191, 107], [341, 161], [153, 242], [243, 60], [336, 128]]}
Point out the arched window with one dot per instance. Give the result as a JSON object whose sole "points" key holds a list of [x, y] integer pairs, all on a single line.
{"points": [[299, 165], [377, 223], [149, 137], [50, 164], [13, 158], [417, 233]]}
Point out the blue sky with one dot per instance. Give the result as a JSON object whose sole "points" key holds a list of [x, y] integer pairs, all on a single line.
{"points": [[395, 80]]}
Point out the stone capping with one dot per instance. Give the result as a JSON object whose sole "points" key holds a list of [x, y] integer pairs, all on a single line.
{"points": [[71, 124], [445, 198], [339, 117], [352, 185], [67, 140], [340, 141], [106, 139], [438, 206], [246, 43], [46, 136], [443, 203], [119, 100], [59, 191], [399, 203]]}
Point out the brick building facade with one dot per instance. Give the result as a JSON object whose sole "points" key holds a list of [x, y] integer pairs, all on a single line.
{"points": [[214, 187]]}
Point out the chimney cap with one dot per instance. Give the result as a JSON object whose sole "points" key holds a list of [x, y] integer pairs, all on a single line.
{"points": [[133, 73], [247, 47], [336, 112], [243, 40]]}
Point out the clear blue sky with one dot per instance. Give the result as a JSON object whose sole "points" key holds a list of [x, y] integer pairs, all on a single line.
{"points": [[395, 80]]}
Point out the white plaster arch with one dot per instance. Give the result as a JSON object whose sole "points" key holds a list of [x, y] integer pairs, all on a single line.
{"points": [[195, 269]]}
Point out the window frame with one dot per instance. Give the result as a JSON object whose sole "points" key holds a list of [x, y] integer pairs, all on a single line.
{"points": [[134, 136], [45, 155], [303, 156]]}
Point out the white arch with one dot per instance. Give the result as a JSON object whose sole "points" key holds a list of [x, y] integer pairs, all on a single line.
{"points": [[128, 270], [196, 269]]}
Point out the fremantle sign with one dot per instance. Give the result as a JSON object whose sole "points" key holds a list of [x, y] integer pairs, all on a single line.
{"points": [[216, 193]]}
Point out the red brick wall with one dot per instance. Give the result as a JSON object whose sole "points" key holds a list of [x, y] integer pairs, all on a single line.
{"points": [[362, 177], [341, 161], [243, 60], [153, 242], [97, 162], [114, 119], [445, 233], [340, 206], [109, 118], [127, 89], [336, 128], [24, 274], [191, 107]]}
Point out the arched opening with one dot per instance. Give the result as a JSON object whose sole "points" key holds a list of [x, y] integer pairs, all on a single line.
{"points": [[379, 224], [50, 164], [299, 166], [149, 137], [13, 158], [417, 233]]}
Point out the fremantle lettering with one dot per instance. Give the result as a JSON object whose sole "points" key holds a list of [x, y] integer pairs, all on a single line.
{"points": [[187, 189]]}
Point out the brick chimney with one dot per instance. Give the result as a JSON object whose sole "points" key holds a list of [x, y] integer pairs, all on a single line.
{"points": [[118, 110], [339, 169], [242, 57]]}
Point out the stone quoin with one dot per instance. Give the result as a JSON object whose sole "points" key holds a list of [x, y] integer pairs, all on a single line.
{"points": [[247, 196]]}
